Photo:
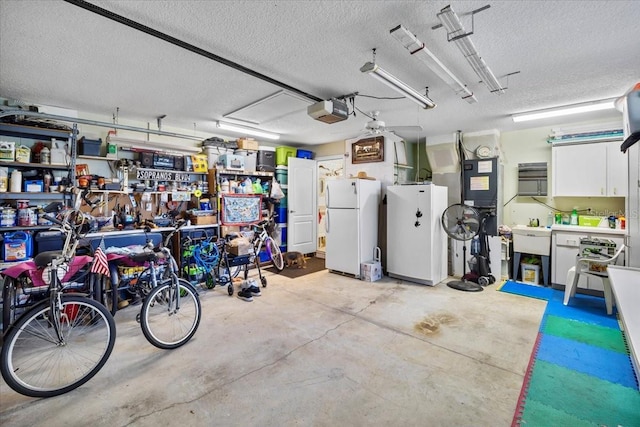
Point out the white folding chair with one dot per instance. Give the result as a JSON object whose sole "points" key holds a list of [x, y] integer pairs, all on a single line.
{"points": [[594, 267]]}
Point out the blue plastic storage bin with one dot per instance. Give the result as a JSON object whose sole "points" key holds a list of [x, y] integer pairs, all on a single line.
{"points": [[304, 154], [281, 213]]}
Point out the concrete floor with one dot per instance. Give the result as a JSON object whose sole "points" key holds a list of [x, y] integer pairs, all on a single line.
{"points": [[321, 350]]}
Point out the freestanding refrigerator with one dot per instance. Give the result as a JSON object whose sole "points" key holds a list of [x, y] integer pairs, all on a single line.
{"points": [[416, 242], [351, 223]]}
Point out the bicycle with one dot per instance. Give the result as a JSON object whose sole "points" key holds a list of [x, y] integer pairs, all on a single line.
{"points": [[60, 343], [261, 237], [171, 311]]}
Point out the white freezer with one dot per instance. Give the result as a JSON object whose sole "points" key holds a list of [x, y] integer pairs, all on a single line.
{"points": [[416, 242]]}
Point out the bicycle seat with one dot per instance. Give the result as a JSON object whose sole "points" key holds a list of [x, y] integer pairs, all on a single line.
{"points": [[44, 258], [143, 257]]}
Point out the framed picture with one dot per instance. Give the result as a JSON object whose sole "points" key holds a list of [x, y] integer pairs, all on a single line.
{"points": [[368, 150], [241, 209]]}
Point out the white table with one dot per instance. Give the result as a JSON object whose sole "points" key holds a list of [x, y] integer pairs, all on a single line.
{"points": [[625, 283]]}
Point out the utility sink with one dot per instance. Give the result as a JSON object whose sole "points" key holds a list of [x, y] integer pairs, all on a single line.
{"points": [[532, 240]]}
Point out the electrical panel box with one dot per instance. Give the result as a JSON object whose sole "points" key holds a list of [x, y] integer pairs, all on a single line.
{"points": [[481, 190]]}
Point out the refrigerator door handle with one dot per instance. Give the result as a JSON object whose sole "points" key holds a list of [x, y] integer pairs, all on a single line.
{"points": [[326, 221], [326, 197]]}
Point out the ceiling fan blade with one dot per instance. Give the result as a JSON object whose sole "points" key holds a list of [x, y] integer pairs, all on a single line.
{"points": [[405, 128]]}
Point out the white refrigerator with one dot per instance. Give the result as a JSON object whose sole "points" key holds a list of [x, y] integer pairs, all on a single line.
{"points": [[416, 241], [351, 223]]}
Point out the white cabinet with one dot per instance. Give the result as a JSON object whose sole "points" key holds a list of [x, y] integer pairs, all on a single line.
{"points": [[617, 170], [589, 170], [564, 250]]}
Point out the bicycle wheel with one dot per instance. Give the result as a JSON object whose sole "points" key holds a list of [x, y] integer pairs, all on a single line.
{"points": [[165, 324], [275, 254], [38, 364]]}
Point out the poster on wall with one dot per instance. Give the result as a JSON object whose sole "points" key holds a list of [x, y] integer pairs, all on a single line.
{"points": [[241, 209], [368, 150]]}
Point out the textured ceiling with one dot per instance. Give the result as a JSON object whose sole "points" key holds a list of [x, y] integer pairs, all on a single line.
{"points": [[56, 53]]}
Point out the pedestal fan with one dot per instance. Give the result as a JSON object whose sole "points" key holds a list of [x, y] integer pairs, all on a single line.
{"points": [[462, 222]]}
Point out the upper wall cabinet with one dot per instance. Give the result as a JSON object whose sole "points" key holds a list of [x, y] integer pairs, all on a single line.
{"points": [[589, 170]]}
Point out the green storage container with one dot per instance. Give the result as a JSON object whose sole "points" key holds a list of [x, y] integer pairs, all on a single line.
{"points": [[283, 153]]}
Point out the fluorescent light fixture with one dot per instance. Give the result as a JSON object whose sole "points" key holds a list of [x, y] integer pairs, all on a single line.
{"points": [[247, 131], [418, 49], [402, 88], [567, 110], [138, 144], [457, 34]]}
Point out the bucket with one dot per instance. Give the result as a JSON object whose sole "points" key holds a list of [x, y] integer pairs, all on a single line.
{"points": [[530, 273], [17, 246]]}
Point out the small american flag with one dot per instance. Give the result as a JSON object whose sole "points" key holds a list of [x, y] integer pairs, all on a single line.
{"points": [[100, 264]]}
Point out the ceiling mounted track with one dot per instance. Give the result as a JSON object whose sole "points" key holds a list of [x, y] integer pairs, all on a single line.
{"points": [[177, 42]]}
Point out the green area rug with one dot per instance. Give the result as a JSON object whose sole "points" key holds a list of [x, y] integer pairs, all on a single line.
{"points": [[580, 372]]}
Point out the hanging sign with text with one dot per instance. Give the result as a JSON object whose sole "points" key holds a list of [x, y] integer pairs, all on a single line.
{"points": [[160, 175]]}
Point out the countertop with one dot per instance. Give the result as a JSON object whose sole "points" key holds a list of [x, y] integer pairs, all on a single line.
{"points": [[588, 230]]}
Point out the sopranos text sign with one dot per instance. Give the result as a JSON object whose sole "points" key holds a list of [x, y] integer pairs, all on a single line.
{"points": [[160, 175]]}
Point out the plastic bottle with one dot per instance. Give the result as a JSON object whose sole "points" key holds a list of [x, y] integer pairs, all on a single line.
{"points": [[45, 156], [475, 246], [224, 186], [16, 181], [549, 219], [574, 217]]}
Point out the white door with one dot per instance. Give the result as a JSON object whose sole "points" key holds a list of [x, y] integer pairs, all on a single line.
{"points": [[302, 222]]}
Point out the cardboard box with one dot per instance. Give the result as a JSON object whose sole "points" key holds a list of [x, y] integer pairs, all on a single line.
{"points": [[34, 186], [203, 219], [248, 144], [372, 270], [240, 246]]}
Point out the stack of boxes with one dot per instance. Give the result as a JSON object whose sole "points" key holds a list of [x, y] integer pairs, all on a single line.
{"points": [[282, 176]]}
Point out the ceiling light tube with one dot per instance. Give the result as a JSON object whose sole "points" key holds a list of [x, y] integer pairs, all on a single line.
{"points": [[247, 131], [402, 88], [567, 110], [418, 49], [457, 34]]}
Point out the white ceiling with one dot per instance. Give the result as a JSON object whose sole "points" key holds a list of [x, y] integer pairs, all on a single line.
{"points": [[56, 53]]}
